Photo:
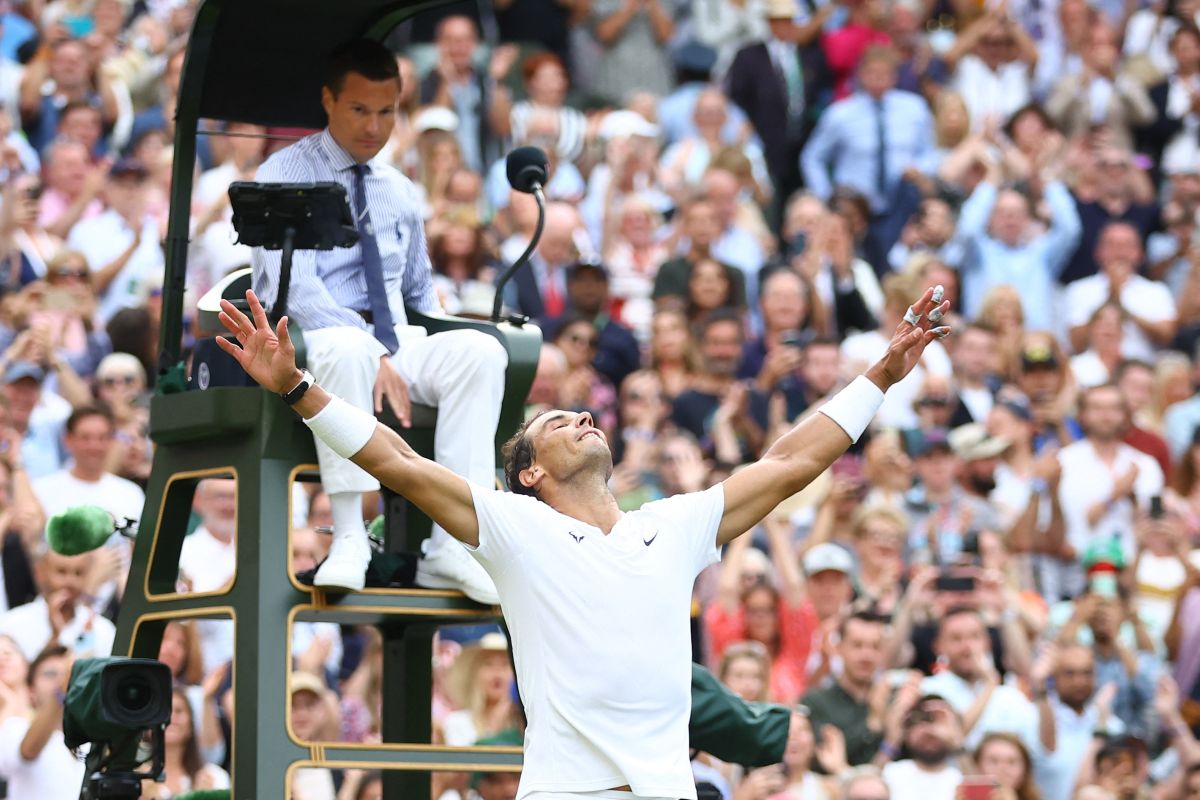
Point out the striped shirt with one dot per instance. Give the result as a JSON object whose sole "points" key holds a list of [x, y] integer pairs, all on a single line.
{"points": [[329, 287]]}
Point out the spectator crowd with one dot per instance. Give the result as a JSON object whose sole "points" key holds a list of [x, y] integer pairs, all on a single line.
{"points": [[998, 587]]}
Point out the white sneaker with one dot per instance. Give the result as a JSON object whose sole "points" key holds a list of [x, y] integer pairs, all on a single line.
{"points": [[452, 567], [346, 566]]}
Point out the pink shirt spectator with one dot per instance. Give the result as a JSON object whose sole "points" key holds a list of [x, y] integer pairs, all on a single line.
{"points": [[54, 203], [797, 624]]}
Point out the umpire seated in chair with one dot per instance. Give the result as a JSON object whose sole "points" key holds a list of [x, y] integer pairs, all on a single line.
{"points": [[350, 303]]}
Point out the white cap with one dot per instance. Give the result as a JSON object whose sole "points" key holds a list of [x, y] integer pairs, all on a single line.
{"points": [[627, 123], [971, 442], [435, 118], [826, 557]]}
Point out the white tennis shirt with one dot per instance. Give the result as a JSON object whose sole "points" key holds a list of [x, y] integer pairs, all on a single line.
{"points": [[601, 637]]}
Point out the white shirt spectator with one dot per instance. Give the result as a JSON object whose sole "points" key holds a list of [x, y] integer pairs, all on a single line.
{"points": [[208, 565], [1141, 297], [1055, 772], [1007, 711], [55, 773], [61, 490], [87, 634], [991, 94], [907, 781], [863, 349], [103, 239], [1086, 480]]}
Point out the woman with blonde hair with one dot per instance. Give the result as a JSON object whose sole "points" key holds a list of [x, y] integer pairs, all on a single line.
{"points": [[802, 753], [438, 157], [879, 534], [745, 669], [673, 354], [463, 262], [1172, 384], [480, 682], [1002, 313], [1004, 758]]}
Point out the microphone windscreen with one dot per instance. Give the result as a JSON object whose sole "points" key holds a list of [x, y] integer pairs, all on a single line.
{"points": [[527, 166], [79, 530]]}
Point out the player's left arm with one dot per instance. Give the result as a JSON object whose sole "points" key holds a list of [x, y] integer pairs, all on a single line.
{"points": [[809, 448]]}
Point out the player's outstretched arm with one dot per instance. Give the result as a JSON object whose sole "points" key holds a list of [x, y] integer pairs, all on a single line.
{"points": [[269, 357], [808, 449]]}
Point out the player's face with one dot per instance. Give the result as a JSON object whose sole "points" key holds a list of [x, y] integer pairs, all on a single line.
{"points": [[362, 114], [564, 442]]}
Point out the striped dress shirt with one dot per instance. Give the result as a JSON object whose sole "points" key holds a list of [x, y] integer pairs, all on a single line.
{"points": [[329, 288]]}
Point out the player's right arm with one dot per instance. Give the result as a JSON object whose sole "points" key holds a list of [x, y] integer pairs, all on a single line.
{"points": [[269, 357]]}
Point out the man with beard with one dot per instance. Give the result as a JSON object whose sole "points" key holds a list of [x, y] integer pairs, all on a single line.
{"points": [[979, 453], [854, 702], [1103, 483], [1132, 672], [931, 733], [940, 503], [695, 410], [1080, 714], [971, 684]]}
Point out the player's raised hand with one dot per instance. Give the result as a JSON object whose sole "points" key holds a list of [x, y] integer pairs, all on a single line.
{"points": [[266, 355], [918, 328]]}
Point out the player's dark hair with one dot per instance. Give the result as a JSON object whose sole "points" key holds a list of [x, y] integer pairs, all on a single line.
{"points": [[518, 456], [363, 57]]}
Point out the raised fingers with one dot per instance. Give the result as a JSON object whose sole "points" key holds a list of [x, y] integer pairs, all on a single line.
{"points": [[257, 310], [235, 320], [916, 312]]}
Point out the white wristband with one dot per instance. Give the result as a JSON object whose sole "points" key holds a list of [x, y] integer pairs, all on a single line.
{"points": [[853, 407], [343, 427]]}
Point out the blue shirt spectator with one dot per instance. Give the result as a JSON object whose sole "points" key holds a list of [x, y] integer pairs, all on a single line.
{"points": [[999, 253], [868, 140]]}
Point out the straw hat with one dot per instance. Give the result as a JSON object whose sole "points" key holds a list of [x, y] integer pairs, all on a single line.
{"points": [[782, 9], [462, 672]]}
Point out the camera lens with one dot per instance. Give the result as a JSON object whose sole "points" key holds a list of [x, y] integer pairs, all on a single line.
{"points": [[134, 693]]}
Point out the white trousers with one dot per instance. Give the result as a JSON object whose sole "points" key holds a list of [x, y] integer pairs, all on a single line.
{"points": [[461, 373]]}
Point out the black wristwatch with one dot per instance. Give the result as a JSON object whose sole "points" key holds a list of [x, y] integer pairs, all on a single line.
{"points": [[306, 380]]}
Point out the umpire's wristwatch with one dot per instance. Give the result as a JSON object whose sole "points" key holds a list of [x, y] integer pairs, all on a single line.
{"points": [[306, 380]]}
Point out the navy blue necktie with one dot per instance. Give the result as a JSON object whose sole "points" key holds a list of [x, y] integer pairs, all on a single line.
{"points": [[881, 176], [381, 313]]}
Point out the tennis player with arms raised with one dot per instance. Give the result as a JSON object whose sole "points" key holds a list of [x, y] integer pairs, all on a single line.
{"points": [[597, 599]]}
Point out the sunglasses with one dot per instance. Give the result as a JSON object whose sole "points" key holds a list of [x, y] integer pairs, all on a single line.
{"points": [[123, 380], [71, 273], [590, 341]]}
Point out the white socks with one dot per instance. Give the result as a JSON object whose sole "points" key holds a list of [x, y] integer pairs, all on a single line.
{"points": [[347, 516]]}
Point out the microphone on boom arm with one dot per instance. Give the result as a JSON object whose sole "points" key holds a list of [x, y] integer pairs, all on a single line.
{"points": [[528, 171]]}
